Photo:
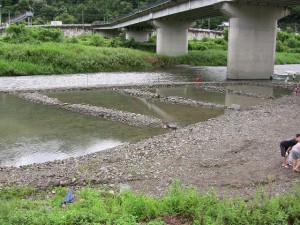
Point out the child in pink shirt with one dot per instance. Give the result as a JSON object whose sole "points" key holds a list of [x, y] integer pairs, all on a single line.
{"points": [[295, 155]]}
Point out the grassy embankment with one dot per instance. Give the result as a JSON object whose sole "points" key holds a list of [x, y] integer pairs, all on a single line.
{"points": [[183, 205], [31, 51]]}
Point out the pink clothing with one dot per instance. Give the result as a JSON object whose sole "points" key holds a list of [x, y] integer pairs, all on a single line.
{"points": [[297, 146]]}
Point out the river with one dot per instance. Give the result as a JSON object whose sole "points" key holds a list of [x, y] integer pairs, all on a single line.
{"points": [[34, 133]]}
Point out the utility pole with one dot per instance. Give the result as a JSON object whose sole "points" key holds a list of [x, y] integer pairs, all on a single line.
{"points": [[82, 19], [0, 15]]}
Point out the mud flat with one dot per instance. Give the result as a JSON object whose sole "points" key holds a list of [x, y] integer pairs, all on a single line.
{"points": [[234, 153]]}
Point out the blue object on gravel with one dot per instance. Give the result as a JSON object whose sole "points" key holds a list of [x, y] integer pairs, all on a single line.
{"points": [[69, 198]]}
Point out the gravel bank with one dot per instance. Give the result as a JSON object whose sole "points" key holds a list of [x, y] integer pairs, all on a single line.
{"points": [[129, 118], [233, 153], [171, 99]]}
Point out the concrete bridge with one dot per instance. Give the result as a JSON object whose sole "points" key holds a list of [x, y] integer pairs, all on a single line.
{"points": [[252, 33]]}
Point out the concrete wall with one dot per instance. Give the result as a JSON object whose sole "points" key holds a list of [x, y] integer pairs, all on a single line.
{"points": [[73, 32], [198, 34]]}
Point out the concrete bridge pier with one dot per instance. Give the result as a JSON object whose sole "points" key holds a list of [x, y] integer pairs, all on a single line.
{"points": [[172, 36], [252, 39], [138, 34]]}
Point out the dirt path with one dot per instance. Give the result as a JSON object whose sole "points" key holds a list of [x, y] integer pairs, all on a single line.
{"points": [[233, 153]]}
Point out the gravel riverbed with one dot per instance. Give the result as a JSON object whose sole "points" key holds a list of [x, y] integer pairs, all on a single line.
{"points": [[233, 153]]}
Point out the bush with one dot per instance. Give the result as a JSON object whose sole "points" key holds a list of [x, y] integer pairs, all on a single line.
{"points": [[58, 58], [22, 34], [280, 47], [97, 40], [293, 43]]}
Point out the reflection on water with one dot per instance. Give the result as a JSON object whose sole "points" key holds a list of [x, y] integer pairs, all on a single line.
{"points": [[179, 114], [28, 151], [228, 99], [31, 133]]}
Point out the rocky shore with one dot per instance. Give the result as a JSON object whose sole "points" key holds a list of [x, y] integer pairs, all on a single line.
{"points": [[234, 153]]}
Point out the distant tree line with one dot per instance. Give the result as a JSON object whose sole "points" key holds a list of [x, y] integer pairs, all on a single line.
{"points": [[71, 11]]}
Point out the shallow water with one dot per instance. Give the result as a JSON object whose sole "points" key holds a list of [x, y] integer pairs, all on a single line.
{"points": [[33, 133], [176, 114], [199, 94]]}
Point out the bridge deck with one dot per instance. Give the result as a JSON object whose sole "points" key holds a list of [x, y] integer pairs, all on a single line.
{"points": [[189, 10]]}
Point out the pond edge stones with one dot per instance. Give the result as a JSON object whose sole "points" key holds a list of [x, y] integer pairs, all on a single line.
{"points": [[129, 118]]}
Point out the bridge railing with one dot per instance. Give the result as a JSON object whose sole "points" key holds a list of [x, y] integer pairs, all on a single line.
{"points": [[20, 17], [137, 11], [143, 9]]}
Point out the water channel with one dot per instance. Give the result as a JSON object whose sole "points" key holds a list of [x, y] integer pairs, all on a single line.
{"points": [[35, 133]]}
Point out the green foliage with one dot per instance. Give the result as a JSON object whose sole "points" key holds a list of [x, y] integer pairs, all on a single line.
{"points": [[208, 44], [204, 58], [226, 34], [10, 193], [66, 18], [59, 58], [287, 58], [31, 51], [22, 34], [120, 41], [86, 11], [93, 206], [288, 42]]}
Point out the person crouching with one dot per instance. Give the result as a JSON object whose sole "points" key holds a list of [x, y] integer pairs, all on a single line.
{"points": [[295, 156], [285, 147]]}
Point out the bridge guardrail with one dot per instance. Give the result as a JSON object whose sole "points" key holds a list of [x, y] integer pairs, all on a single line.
{"points": [[138, 11], [20, 17]]}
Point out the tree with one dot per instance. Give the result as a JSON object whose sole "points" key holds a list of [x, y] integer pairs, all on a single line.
{"points": [[66, 18]]}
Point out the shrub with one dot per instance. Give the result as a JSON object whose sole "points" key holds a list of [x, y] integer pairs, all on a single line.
{"points": [[22, 34], [293, 43], [280, 47]]}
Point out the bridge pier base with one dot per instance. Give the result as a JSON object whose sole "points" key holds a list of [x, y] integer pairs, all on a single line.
{"points": [[172, 36], [139, 35], [252, 40]]}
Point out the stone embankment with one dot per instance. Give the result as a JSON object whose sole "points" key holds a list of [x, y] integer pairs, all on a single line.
{"points": [[242, 93], [171, 99], [129, 118]]}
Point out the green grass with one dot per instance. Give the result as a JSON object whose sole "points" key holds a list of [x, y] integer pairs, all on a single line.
{"points": [[287, 58], [204, 58], [93, 206], [34, 51], [61, 58]]}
